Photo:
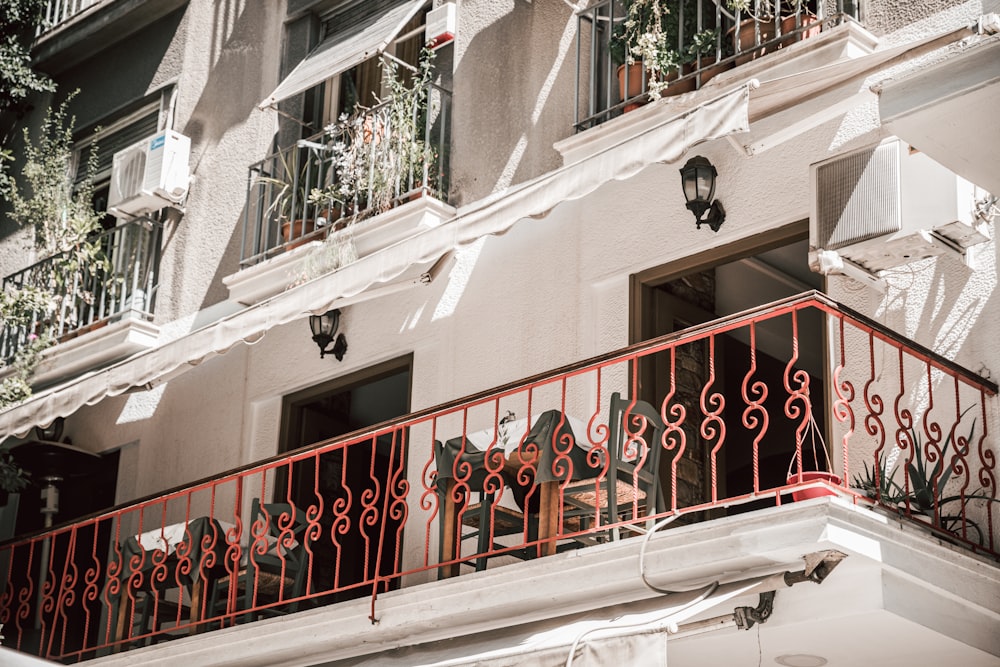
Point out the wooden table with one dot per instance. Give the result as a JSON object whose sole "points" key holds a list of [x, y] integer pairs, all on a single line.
{"points": [[150, 564], [544, 457]]}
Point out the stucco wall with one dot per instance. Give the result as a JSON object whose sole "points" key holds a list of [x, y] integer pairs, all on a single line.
{"points": [[511, 103]]}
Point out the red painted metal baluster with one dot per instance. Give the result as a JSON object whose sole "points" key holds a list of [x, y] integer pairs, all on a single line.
{"points": [[873, 419], [932, 448], [370, 515], [842, 410], [400, 486], [798, 404], [712, 426], [754, 415], [26, 596], [92, 590], [987, 476], [114, 587], [430, 499], [493, 483], [562, 464], [598, 435], [341, 521], [313, 532], [673, 432], [904, 432], [529, 456], [46, 600], [65, 598], [7, 598], [958, 463]]}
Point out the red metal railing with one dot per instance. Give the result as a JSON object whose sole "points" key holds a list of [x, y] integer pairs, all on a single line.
{"points": [[743, 408]]}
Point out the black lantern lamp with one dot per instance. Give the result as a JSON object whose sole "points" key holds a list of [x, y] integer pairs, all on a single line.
{"points": [[698, 179], [324, 328]]}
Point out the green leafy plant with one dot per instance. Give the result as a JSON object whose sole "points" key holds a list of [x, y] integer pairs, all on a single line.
{"points": [[66, 232], [288, 186], [16, 387], [376, 155], [18, 81], [47, 199], [13, 478], [921, 488]]}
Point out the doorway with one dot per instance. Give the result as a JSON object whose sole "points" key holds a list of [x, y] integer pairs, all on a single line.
{"points": [[700, 289], [347, 561]]}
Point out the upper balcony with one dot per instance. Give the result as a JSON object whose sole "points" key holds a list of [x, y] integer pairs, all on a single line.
{"points": [[368, 180], [109, 296], [72, 30], [758, 413], [691, 43]]}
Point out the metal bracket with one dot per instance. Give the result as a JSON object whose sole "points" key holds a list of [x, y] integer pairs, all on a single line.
{"points": [[746, 616]]}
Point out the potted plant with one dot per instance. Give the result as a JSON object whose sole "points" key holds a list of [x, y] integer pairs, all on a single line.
{"points": [[701, 54], [923, 489], [762, 25], [821, 470], [290, 196], [640, 44], [647, 48], [378, 157]]}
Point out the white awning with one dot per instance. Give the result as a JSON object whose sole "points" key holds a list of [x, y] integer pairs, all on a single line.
{"points": [[948, 111], [345, 48], [666, 141]]}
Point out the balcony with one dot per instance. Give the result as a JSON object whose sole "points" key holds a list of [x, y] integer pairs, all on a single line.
{"points": [[71, 30], [113, 292], [792, 400], [704, 39], [366, 182]]}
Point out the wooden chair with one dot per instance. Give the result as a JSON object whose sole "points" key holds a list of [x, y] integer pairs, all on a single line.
{"points": [[631, 486], [486, 519], [276, 563]]}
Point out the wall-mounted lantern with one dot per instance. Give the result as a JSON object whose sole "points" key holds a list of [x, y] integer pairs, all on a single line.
{"points": [[324, 328], [698, 180]]}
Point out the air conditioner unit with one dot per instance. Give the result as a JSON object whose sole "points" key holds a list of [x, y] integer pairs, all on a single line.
{"points": [[882, 206], [150, 174]]}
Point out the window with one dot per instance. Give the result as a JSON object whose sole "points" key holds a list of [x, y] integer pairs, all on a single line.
{"points": [[119, 131]]}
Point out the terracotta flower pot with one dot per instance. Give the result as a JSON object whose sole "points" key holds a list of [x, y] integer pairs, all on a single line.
{"points": [[636, 76], [768, 31], [813, 476], [294, 231], [711, 69]]}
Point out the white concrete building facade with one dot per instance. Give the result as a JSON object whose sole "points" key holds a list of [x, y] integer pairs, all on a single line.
{"points": [[538, 263]]}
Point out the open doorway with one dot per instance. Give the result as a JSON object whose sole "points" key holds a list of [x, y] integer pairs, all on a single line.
{"points": [[710, 373], [345, 476]]}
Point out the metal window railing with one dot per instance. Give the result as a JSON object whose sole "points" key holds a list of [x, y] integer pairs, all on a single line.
{"points": [[708, 39], [539, 466], [120, 279], [358, 167]]}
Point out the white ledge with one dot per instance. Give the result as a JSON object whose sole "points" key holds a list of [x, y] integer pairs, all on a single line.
{"points": [[275, 275]]}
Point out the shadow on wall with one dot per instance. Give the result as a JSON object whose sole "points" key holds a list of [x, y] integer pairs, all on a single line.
{"points": [[526, 59], [949, 300], [240, 57]]}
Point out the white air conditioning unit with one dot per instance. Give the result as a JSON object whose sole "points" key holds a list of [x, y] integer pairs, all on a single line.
{"points": [[882, 206], [150, 174]]}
